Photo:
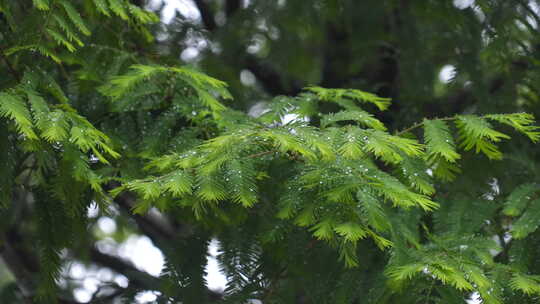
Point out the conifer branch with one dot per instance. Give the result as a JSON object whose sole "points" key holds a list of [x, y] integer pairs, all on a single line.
{"points": [[193, 156], [419, 124], [261, 154]]}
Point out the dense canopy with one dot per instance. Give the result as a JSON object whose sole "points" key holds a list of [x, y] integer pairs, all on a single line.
{"points": [[337, 151]]}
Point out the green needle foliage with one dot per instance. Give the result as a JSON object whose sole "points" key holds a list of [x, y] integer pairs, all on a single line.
{"points": [[326, 194]]}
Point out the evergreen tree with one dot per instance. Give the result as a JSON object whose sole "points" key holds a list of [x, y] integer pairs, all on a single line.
{"points": [[312, 139]]}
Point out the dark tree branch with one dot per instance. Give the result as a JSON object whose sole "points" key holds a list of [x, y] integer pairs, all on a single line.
{"points": [[21, 264], [107, 298], [155, 225], [457, 101], [269, 78], [206, 15], [24, 253], [139, 3], [336, 55], [12, 70], [16, 266], [231, 6], [135, 276], [160, 231]]}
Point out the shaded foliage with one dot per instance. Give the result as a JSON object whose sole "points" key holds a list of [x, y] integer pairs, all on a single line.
{"points": [[313, 139]]}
